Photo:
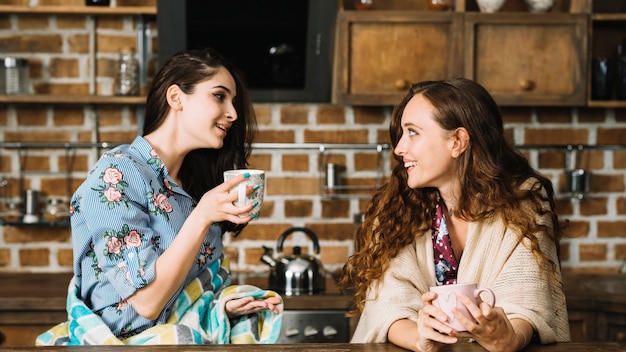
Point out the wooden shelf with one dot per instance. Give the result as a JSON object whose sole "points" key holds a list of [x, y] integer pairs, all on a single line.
{"points": [[608, 17], [607, 104], [72, 99], [80, 10]]}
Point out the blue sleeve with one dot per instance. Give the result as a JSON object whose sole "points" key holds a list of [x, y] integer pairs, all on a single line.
{"points": [[114, 201]]}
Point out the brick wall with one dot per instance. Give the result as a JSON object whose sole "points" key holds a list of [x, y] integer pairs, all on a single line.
{"points": [[57, 47]]}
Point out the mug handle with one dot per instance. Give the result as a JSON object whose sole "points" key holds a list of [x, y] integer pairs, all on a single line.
{"points": [[478, 291]]}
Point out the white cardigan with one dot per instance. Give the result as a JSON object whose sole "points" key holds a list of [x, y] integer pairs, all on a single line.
{"points": [[493, 257]]}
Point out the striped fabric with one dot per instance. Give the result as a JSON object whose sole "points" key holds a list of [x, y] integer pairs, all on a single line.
{"points": [[199, 317]]}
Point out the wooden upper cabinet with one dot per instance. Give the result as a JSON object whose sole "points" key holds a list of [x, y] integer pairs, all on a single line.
{"points": [[528, 59], [380, 53]]}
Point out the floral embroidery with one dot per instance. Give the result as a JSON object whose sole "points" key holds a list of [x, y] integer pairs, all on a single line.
{"points": [[127, 331], [75, 206], [118, 242], [112, 192], [162, 205], [155, 160], [113, 154], [156, 241], [95, 265], [206, 254], [121, 306]]}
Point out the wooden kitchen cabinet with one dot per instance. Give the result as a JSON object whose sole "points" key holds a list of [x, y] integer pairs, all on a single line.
{"points": [[596, 306], [607, 31], [522, 58], [528, 59], [378, 54]]}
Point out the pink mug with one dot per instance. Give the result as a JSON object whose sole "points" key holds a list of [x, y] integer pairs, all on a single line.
{"points": [[447, 298]]}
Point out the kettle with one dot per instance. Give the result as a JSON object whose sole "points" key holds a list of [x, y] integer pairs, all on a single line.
{"points": [[295, 274]]}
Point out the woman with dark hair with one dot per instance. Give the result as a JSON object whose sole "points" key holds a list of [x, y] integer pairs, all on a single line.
{"points": [[148, 221], [462, 205]]}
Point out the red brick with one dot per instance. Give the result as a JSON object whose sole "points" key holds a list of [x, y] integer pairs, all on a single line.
{"points": [[34, 257], [592, 252], [294, 114], [5, 257], [367, 115], [332, 231], [576, 229], [534, 136], [554, 115], [296, 162], [516, 115], [35, 234], [606, 183], [274, 136], [298, 208], [330, 255], [336, 208], [263, 114], [339, 137], [593, 206], [65, 257], [611, 135], [331, 114], [30, 22], [592, 115], [611, 229], [260, 161]]}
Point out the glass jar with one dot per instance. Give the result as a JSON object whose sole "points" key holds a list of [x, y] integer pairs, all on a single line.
{"points": [[12, 211], [14, 76], [127, 74], [56, 210]]}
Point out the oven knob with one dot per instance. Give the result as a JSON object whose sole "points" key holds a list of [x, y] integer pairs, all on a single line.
{"points": [[329, 331], [291, 332], [310, 331]]}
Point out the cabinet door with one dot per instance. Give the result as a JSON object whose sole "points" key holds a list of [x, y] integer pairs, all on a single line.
{"points": [[582, 325], [378, 54], [528, 59]]}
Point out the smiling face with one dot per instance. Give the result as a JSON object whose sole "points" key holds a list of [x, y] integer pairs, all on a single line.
{"points": [[426, 148], [209, 112]]}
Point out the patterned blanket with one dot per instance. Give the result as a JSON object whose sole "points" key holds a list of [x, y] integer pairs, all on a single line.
{"points": [[198, 318]]}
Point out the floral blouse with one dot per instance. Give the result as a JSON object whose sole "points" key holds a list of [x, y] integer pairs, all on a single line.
{"points": [[446, 266], [125, 214]]}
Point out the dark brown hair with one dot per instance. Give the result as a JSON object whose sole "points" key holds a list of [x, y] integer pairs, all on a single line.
{"points": [[203, 169]]}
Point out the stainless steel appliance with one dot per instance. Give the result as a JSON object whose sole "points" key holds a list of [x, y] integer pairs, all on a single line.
{"points": [[297, 273], [301, 326], [283, 47]]}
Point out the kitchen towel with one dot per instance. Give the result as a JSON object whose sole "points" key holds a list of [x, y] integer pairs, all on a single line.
{"points": [[198, 318]]}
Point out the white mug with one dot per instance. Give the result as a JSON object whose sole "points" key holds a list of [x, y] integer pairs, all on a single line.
{"points": [[257, 178]]}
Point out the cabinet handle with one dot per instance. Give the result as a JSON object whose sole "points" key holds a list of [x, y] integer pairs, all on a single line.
{"points": [[620, 336], [402, 84], [526, 85]]}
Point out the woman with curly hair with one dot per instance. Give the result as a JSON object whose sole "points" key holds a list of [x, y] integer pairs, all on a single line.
{"points": [[462, 205]]}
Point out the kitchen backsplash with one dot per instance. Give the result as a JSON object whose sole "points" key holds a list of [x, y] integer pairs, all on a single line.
{"points": [[595, 239]]}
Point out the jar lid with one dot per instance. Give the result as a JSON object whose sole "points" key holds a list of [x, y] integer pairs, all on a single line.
{"points": [[8, 62]]}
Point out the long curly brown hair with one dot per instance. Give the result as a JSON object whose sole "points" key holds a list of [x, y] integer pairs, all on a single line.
{"points": [[490, 172]]}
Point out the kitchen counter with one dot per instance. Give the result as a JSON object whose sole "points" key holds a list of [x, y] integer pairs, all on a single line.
{"points": [[31, 303], [326, 347], [42, 291]]}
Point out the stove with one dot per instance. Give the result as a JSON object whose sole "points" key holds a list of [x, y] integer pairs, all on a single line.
{"points": [[302, 326], [315, 318]]}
